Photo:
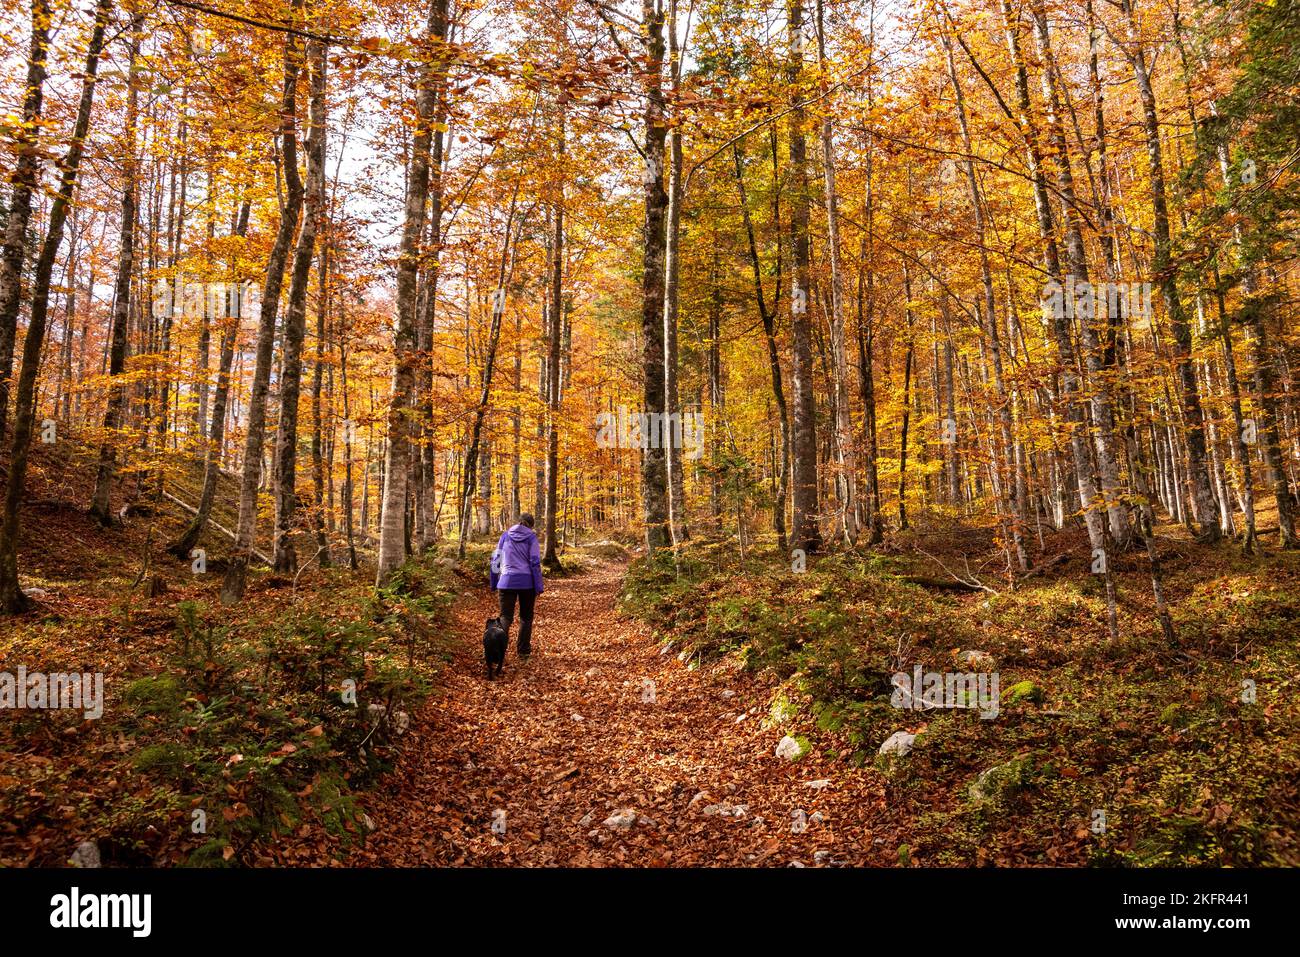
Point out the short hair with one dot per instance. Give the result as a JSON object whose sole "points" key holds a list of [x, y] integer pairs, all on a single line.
{"points": [[526, 519]]}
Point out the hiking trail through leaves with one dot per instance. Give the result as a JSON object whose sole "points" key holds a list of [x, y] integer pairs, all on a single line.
{"points": [[565, 742]]}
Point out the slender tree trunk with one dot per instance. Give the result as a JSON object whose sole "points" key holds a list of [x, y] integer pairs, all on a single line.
{"points": [[1011, 479], [768, 318], [392, 535], [438, 28], [318, 463], [1071, 392], [654, 458], [672, 282], [846, 466], [232, 589], [1103, 416], [904, 426], [1166, 275], [551, 556], [504, 271], [23, 182], [100, 507], [182, 547], [807, 531], [12, 599], [284, 468]]}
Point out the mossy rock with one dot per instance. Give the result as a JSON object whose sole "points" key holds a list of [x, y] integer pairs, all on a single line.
{"points": [[1001, 782], [781, 712], [800, 747], [169, 759], [161, 694], [1023, 691]]}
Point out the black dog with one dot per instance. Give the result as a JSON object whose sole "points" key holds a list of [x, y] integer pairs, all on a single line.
{"points": [[495, 639]]}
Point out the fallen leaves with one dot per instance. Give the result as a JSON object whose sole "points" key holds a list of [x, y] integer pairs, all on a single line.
{"points": [[591, 775]]}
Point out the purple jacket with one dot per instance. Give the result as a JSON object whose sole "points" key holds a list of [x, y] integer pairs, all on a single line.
{"points": [[517, 560]]}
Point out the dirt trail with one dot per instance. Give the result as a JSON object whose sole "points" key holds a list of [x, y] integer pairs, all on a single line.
{"points": [[561, 743]]}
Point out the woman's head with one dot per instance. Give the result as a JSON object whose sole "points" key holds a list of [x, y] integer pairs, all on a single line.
{"points": [[526, 519]]}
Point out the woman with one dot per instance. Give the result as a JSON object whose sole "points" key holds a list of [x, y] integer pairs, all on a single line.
{"points": [[517, 574]]}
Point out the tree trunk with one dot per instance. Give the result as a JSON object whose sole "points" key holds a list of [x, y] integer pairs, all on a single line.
{"points": [[23, 182], [182, 547], [428, 526], [803, 447], [654, 458], [12, 599], [1011, 479], [1103, 417], [766, 315], [100, 508], [1166, 275], [319, 476], [551, 556], [846, 466], [392, 534], [1059, 323], [295, 318], [672, 403], [232, 588]]}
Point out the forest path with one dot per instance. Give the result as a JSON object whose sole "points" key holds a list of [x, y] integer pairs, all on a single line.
{"points": [[563, 742]]}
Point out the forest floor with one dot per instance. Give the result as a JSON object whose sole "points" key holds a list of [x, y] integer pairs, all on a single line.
{"points": [[601, 723], [323, 723]]}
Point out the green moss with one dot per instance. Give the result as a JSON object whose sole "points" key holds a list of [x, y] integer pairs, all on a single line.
{"points": [[156, 694], [1023, 691], [1000, 783]]}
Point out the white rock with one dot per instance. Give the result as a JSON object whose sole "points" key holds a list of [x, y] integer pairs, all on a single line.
{"points": [[799, 864], [576, 717], [86, 855], [899, 743], [39, 594], [368, 821], [728, 693], [817, 817], [818, 784], [401, 721], [821, 857], [587, 819], [789, 749], [622, 819], [724, 809], [743, 716]]}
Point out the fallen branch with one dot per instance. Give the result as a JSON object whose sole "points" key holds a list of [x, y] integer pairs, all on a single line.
{"points": [[969, 583], [215, 524]]}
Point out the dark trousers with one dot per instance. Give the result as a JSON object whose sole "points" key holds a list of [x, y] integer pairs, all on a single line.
{"points": [[527, 598]]}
